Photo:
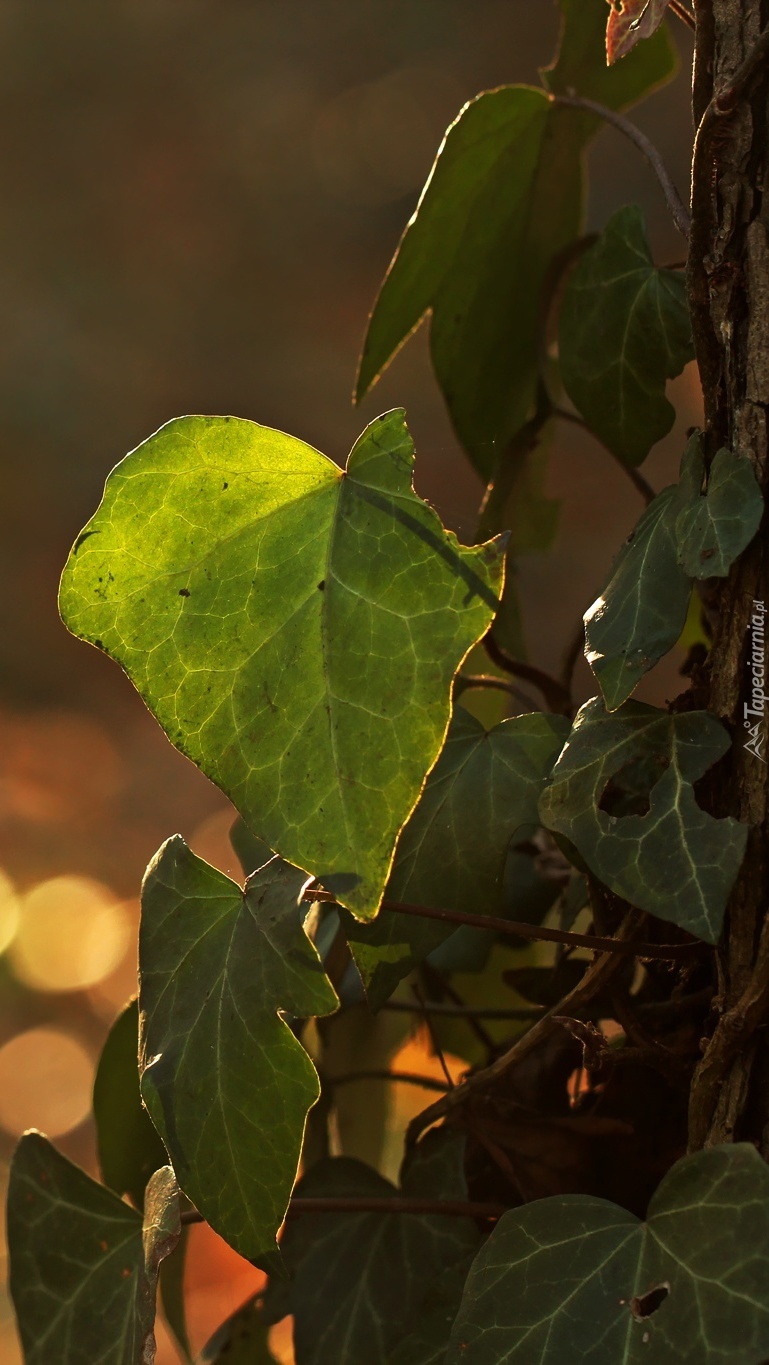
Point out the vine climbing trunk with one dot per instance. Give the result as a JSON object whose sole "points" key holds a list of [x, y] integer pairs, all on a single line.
{"points": [[729, 294]]}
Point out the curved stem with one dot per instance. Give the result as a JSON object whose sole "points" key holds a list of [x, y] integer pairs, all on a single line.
{"points": [[554, 693], [464, 681], [680, 10], [637, 479], [675, 203]]}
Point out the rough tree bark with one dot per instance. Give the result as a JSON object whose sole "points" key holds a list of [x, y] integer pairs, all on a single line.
{"points": [[729, 292]]}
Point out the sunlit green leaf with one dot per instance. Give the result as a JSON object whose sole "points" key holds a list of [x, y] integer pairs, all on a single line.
{"points": [[83, 1265], [360, 1279], [129, 1146], [668, 855], [642, 610], [577, 1278], [716, 524], [241, 1340], [225, 1080], [503, 200], [624, 331], [294, 628], [452, 853]]}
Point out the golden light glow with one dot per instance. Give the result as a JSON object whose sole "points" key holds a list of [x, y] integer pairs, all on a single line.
{"points": [[45, 1082], [72, 933], [9, 911]]}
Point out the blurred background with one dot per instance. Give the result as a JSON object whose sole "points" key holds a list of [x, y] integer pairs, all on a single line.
{"points": [[200, 199]]}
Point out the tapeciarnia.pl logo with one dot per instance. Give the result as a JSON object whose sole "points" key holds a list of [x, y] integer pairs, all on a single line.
{"points": [[754, 711]]}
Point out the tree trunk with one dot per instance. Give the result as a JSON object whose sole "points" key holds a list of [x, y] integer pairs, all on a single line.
{"points": [[729, 292]]}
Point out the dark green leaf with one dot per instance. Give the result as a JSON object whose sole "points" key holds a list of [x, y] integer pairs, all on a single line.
{"points": [[241, 1340], [576, 1278], [624, 331], [83, 1267], [452, 853], [360, 1280], [225, 1080], [295, 629], [128, 1144], [506, 189], [642, 610], [714, 527], [668, 857]]}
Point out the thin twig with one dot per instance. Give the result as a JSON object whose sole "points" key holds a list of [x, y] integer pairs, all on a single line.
{"points": [[451, 1208], [675, 203], [596, 978], [464, 681], [434, 1039], [574, 648], [436, 981], [636, 478], [537, 932], [401, 1077], [468, 1012], [680, 10], [555, 695]]}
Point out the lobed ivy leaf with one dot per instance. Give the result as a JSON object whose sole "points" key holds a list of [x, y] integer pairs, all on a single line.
{"points": [[629, 22], [84, 1265], [360, 1280], [453, 851], [714, 526], [506, 188], [227, 1084], [241, 1340], [661, 851], [578, 1278], [624, 330], [294, 628], [642, 610], [129, 1147]]}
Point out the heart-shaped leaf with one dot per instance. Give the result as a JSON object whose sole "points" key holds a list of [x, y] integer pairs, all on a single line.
{"points": [[84, 1266], [717, 522], [507, 187], [294, 628], [577, 1278], [642, 610], [452, 853], [360, 1280], [129, 1147], [624, 330], [225, 1080], [622, 793]]}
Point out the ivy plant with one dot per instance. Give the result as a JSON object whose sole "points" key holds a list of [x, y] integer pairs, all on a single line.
{"points": [[596, 1184]]}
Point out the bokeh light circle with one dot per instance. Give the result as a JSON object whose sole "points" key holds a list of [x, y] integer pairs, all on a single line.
{"points": [[10, 911], [46, 1077], [72, 933]]}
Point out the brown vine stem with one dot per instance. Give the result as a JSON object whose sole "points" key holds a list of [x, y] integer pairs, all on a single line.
{"points": [[680, 10], [463, 682], [468, 1012], [598, 975], [675, 203], [402, 1077], [554, 693], [536, 932], [451, 1208], [637, 479]]}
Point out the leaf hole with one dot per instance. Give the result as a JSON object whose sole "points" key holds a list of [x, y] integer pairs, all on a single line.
{"points": [[642, 1306], [628, 791]]}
